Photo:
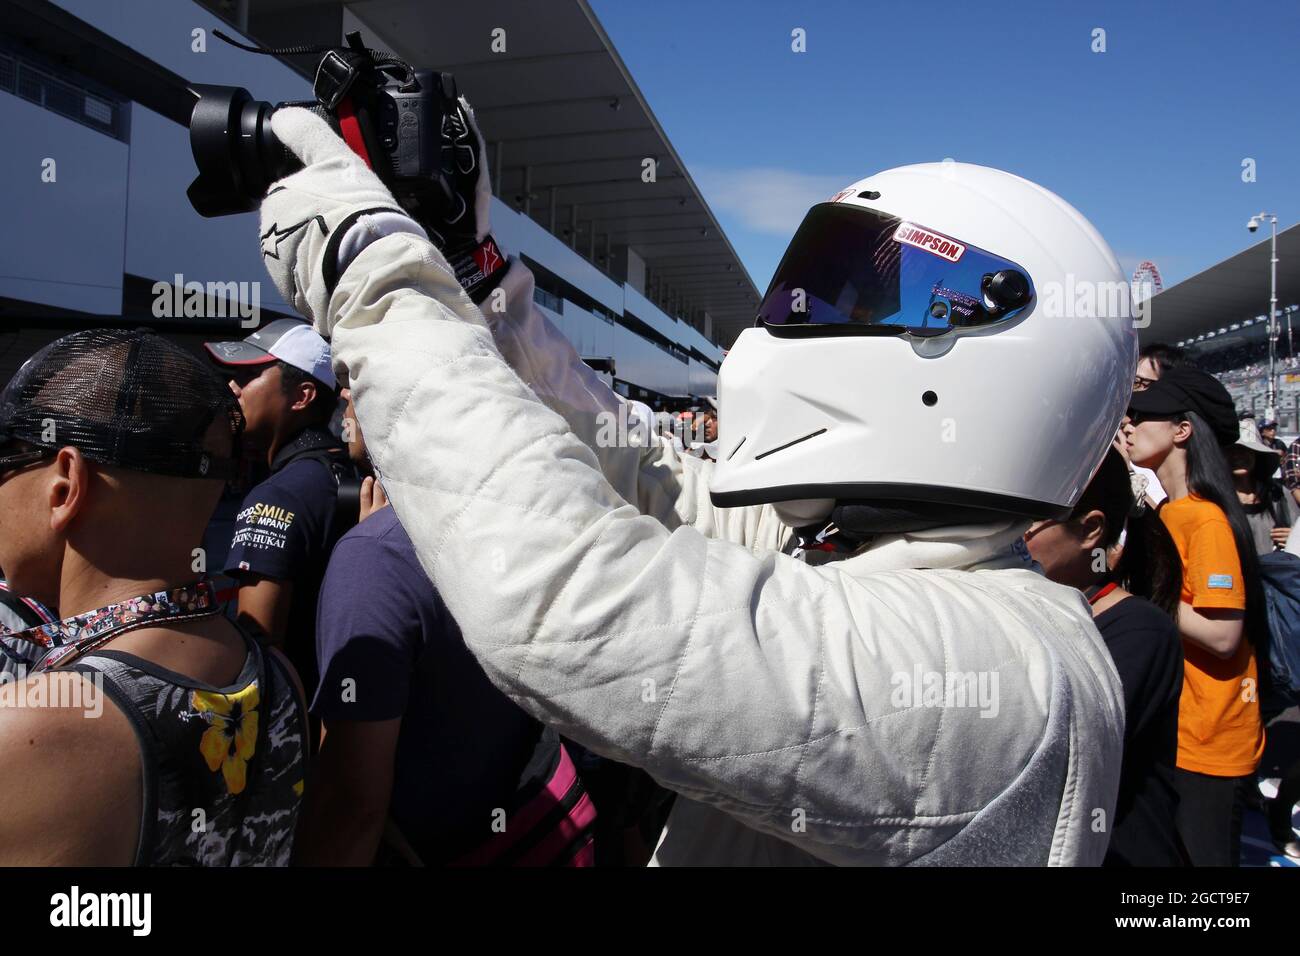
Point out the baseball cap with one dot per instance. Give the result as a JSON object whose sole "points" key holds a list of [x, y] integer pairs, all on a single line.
{"points": [[287, 340], [127, 398], [1183, 389]]}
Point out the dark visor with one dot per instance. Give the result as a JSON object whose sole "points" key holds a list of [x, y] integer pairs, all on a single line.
{"points": [[855, 268]]}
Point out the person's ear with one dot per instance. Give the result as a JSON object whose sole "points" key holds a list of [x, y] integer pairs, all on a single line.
{"points": [[1092, 529], [306, 395], [1182, 431], [69, 488]]}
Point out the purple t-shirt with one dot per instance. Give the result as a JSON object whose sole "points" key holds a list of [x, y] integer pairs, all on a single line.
{"points": [[464, 748]]}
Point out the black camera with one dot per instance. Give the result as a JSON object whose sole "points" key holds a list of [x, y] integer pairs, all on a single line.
{"points": [[391, 115]]}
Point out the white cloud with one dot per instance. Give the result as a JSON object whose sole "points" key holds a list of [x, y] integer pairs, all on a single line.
{"points": [[765, 199]]}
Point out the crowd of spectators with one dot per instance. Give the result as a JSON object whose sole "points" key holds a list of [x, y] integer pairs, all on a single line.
{"points": [[336, 653]]}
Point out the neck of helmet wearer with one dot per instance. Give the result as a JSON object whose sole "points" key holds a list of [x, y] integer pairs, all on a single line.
{"points": [[1082, 570]]}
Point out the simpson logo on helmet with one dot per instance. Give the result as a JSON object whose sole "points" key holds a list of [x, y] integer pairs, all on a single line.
{"points": [[941, 246]]}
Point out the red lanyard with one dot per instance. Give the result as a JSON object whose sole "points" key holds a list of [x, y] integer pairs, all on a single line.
{"points": [[1101, 592]]}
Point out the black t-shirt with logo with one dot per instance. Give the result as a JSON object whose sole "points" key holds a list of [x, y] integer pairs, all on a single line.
{"points": [[285, 530]]}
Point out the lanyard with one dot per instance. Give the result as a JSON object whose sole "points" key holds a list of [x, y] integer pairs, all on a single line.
{"points": [[1095, 594], [73, 636]]}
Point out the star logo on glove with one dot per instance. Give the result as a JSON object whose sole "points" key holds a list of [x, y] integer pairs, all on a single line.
{"points": [[272, 238], [487, 258]]}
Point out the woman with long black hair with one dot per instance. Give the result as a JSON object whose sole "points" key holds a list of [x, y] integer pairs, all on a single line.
{"points": [[1178, 427], [1134, 603]]}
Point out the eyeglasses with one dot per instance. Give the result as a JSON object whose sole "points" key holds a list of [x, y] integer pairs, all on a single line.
{"points": [[1142, 383], [21, 459], [1039, 526]]}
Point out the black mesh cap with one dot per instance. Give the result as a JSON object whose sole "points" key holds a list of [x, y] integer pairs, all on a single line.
{"points": [[125, 398]]}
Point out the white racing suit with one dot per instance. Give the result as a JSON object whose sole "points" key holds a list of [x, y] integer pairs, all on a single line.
{"points": [[932, 700]]}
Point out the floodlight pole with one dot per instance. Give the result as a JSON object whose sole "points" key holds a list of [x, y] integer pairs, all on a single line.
{"points": [[1274, 328], [1271, 411]]}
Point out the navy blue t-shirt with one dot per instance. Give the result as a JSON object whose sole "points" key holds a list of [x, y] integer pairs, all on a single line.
{"points": [[285, 530], [464, 748]]}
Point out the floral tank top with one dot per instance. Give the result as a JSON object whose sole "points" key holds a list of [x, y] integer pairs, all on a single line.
{"points": [[223, 767]]}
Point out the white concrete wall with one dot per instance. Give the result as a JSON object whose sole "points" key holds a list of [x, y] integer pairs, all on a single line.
{"points": [[63, 241], [635, 270], [651, 315], [637, 360], [518, 233], [703, 380]]}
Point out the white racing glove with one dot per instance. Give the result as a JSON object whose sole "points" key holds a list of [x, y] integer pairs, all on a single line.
{"points": [[463, 233], [316, 221], [322, 216]]}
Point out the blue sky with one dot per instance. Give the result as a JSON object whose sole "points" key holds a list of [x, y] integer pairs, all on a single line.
{"points": [[1147, 139]]}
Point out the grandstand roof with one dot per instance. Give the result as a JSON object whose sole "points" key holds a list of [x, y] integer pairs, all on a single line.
{"points": [[1232, 292]]}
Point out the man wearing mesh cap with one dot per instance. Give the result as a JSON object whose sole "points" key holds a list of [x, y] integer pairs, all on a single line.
{"points": [[113, 450]]}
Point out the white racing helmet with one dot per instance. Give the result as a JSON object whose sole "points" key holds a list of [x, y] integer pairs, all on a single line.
{"points": [[941, 333]]}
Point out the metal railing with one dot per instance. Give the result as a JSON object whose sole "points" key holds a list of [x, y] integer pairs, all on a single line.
{"points": [[62, 96]]}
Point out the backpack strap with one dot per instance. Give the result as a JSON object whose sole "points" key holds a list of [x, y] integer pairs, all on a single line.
{"points": [[554, 827], [347, 484]]}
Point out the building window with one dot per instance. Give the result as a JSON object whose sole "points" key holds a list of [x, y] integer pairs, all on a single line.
{"points": [[63, 93], [548, 300]]}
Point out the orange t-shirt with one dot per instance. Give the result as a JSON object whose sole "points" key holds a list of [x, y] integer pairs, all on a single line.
{"points": [[1220, 732]]}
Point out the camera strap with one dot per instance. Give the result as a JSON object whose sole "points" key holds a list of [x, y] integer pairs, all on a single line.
{"points": [[350, 130], [282, 51], [339, 67], [334, 77]]}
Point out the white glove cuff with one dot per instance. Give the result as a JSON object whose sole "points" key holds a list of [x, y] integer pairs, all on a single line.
{"points": [[370, 227]]}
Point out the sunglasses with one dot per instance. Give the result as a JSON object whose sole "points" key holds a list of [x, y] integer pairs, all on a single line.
{"points": [[1137, 418], [244, 375]]}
